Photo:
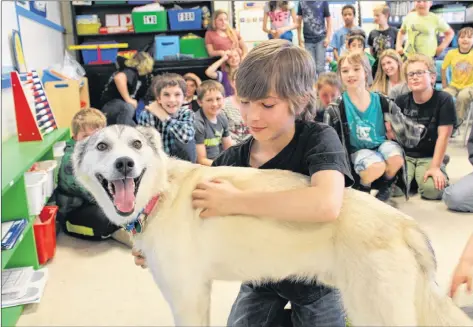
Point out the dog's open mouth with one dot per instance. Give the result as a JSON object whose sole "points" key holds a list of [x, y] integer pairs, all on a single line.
{"points": [[122, 192]]}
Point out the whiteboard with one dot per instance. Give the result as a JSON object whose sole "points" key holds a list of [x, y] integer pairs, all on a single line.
{"points": [[250, 25]]}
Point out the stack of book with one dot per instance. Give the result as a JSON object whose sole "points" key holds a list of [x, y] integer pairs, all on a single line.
{"points": [[23, 286], [12, 232]]}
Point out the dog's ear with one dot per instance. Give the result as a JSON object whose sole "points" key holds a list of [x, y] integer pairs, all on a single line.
{"points": [[151, 134]]}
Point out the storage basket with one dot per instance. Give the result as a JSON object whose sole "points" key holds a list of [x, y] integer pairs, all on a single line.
{"points": [[35, 191], [45, 233]]}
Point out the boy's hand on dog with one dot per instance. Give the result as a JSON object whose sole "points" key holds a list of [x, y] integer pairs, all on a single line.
{"points": [[216, 198], [139, 259], [462, 275]]}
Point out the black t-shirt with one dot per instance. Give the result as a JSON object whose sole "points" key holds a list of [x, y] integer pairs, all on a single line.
{"points": [[382, 40], [438, 111], [313, 148], [111, 92]]}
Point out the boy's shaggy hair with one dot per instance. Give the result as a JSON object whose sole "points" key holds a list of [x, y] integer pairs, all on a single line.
{"points": [[207, 86], [279, 67], [160, 82], [87, 118]]}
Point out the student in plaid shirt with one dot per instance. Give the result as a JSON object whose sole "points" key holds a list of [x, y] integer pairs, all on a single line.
{"points": [[174, 122]]}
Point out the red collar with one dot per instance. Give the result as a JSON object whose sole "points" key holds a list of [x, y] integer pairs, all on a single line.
{"points": [[137, 225]]}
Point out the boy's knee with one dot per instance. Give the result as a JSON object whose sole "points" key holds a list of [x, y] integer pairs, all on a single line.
{"points": [[455, 198], [395, 162], [428, 191]]}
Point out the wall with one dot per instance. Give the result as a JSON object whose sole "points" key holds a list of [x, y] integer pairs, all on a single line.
{"points": [[43, 46]]}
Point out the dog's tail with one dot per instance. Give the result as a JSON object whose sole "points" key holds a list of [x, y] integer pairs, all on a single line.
{"points": [[433, 307]]}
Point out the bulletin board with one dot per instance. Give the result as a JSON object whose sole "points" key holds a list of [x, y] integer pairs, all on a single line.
{"points": [[250, 25]]}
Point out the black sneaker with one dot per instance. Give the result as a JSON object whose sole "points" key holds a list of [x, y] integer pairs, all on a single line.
{"points": [[384, 194], [446, 159], [362, 188]]}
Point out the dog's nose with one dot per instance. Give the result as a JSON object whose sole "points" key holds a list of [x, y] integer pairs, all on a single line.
{"points": [[124, 165]]}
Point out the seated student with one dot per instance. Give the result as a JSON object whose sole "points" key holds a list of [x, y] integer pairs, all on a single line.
{"points": [[436, 111], [174, 122], [231, 109], [358, 117], [328, 87], [190, 99], [227, 64], [459, 196], [461, 62], [389, 73], [211, 126], [79, 215], [118, 99]]}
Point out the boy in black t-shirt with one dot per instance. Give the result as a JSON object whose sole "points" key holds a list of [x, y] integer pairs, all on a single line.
{"points": [[282, 137], [436, 111], [382, 38]]}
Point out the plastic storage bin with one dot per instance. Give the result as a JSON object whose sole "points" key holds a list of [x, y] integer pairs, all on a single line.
{"points": [[45, 233], [166, 46], [90, 56], [35, 191], [194, 47], [185, 19], [151, 21], [48, 167], [83, 29]]}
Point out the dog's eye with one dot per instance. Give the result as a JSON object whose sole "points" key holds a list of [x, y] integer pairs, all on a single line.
{"points": [[137, 144], [102, 146]]}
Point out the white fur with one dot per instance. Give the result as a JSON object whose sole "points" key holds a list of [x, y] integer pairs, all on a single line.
{"points": [[375, 255]]}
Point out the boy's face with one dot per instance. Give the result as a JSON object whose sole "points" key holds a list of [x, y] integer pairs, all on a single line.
{"points": [[191, 87], [171, 99], [267, 119], [380, 18], [348, 16], [212, 103], [421, 78], [353, 75], [85, 133], [356, 46], [327, 93], [423, 7], [465, 42]]}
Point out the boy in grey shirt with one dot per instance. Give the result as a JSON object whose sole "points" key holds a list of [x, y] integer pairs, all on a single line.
{"points": [[211, 127]]}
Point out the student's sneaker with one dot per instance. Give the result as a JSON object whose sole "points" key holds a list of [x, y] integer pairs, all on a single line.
{"points": [[363, 188], [446, 159], [384, 194], [123, 237]]}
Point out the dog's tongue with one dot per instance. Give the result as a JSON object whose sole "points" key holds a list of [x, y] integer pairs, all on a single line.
{"points": [[124, 197]]}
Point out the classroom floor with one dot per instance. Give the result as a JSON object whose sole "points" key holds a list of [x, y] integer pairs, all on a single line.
{"points": [[97, 284]]}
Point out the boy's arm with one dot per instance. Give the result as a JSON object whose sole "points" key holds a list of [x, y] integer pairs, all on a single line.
{"points": [[445, 65], [227, 142], [202, 155], [265, 23], [211, 71], [444, 78], [319, 203], [448, 35], [182, 127], [399, 39], [335, 54]]}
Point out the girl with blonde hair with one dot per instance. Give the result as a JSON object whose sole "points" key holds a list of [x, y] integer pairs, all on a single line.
{"points": [[118, 100], [389, 73], [222, 38]]}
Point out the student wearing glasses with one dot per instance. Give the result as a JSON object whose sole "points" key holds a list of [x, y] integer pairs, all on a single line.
{"points": [[436, 111]]}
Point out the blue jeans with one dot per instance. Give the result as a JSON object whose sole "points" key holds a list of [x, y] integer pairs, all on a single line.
{"points": [[459, 196], [286, 36], [364, 158], [317, 51], [263, 306]]}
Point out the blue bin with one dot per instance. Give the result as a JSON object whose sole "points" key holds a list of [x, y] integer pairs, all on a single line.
{"points": [[140, 2], [166, 46], [107, 54], [185, 19], [48, 77]]}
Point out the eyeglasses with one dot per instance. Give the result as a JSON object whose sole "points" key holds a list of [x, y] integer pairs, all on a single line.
{"points": [[417, 73]]}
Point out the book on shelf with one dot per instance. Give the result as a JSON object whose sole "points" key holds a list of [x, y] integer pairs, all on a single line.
{"points": [[12, 232]]}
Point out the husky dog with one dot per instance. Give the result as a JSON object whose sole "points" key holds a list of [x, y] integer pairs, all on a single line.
{"points": [[377, 257]]}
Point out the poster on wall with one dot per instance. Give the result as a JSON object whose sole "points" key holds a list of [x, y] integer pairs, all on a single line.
{"points": [[250, 25], [38, 7]]}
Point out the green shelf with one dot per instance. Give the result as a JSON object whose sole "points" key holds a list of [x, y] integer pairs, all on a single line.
{"points": [[18, 157]]}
